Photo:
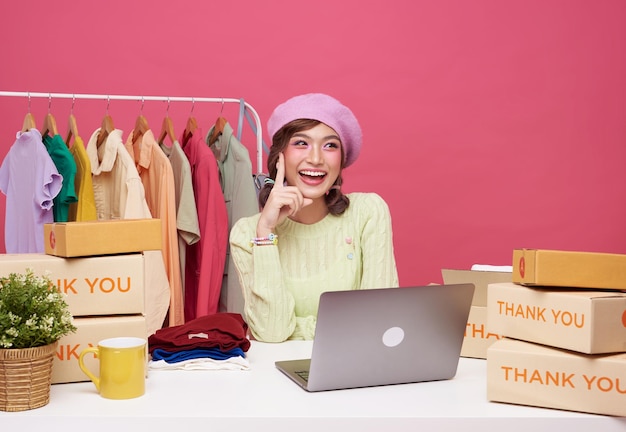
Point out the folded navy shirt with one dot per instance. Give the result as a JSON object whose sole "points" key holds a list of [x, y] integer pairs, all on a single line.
{"points": [[195, 353]]}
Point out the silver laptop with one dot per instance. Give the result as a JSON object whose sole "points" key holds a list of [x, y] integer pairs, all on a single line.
{"points": [[386, 336]]}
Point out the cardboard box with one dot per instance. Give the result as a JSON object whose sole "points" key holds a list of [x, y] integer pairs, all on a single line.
{"points": [[480, 279], [104, 285], [525, 373], [90, 331], [477, 337], [106, 237], [587, 321], [569, 269]]}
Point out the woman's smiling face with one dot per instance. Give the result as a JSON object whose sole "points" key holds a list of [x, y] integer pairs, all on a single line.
{"points": [[313, 160]]}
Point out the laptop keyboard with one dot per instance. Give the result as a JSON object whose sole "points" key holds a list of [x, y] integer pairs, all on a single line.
{"points": [[304, 374]]}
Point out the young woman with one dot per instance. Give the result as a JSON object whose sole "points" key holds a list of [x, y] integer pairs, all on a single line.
{"points": [[309, 237]]}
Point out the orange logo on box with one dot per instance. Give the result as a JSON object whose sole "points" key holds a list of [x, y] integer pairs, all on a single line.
{"points": [[624, 319], [53, 240], [522, 267]]}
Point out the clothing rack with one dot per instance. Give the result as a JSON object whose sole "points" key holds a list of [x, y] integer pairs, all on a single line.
{"points": [[258, 130]]}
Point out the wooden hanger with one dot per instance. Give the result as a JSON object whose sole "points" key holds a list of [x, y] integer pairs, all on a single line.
{"points": [[29, 119], [106, 127], [72, 130], [218, 129], [190, 128], [29, 122], [167, 127], [141, 127], [167, 130], [49, 122], [49, 126]]}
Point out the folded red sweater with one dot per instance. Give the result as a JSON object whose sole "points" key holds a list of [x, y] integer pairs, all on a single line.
{"points": [[223, 330]]}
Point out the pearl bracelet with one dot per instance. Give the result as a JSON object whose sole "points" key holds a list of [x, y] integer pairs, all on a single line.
{"points": [[271, 239]]}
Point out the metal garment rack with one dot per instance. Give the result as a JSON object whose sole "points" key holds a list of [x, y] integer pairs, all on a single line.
{"points": [[106, 97]]}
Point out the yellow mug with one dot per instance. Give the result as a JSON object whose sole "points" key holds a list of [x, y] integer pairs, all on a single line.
{"points": [[122, 367]]}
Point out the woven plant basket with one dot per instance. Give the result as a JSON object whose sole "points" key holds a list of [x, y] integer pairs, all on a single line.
{"points": [[25, 377]]}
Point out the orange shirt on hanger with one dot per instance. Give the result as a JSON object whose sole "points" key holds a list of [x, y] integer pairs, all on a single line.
{"points": [[156, 174]]}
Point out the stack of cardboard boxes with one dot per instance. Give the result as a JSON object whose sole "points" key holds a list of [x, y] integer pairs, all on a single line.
{"points": [[100, 266], [563, 318], [478, 336]]}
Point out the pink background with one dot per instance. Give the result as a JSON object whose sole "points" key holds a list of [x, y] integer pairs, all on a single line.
{"points": [[489, 125]]}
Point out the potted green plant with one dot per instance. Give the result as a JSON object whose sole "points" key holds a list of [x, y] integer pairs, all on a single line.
{"points": [[34, 315]]}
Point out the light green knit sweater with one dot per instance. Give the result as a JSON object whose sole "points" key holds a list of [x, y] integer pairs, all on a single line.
{"points": [[282, 284]]}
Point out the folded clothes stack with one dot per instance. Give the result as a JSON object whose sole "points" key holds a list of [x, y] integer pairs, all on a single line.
{"points": [[212, 342]]}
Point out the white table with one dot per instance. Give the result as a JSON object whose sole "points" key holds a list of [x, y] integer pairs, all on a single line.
{"points": [[262, 398]]}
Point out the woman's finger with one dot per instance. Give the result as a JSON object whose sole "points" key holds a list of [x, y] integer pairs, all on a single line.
{"points": [[280, 171]]}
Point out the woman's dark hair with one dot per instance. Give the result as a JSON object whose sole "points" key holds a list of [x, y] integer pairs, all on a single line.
{"points": [[336, 201]]}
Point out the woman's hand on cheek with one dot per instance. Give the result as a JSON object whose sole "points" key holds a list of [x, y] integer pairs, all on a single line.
{"points": [[282, 202]]}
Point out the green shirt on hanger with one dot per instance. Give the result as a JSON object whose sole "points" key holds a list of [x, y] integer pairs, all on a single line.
{"points": [[64, 161]]}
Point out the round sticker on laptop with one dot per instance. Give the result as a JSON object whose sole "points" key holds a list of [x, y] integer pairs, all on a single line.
{"points": [[393, 336]]}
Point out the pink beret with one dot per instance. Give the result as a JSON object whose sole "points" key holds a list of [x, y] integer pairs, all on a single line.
{"points": [[328, 110]]}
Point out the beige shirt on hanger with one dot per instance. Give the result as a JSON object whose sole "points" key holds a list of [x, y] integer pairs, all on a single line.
{"points": [[118, 190], [119, 194]]}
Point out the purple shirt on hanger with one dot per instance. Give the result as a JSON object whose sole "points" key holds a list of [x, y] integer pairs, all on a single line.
{"points": [[30, 181]]}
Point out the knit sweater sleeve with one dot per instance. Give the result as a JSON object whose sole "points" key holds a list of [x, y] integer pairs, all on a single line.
{"points": [[379, 265], [269, 306]]}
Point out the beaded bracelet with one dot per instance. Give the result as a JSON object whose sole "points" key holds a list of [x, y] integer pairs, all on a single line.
{"points": [[271, 239]]}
